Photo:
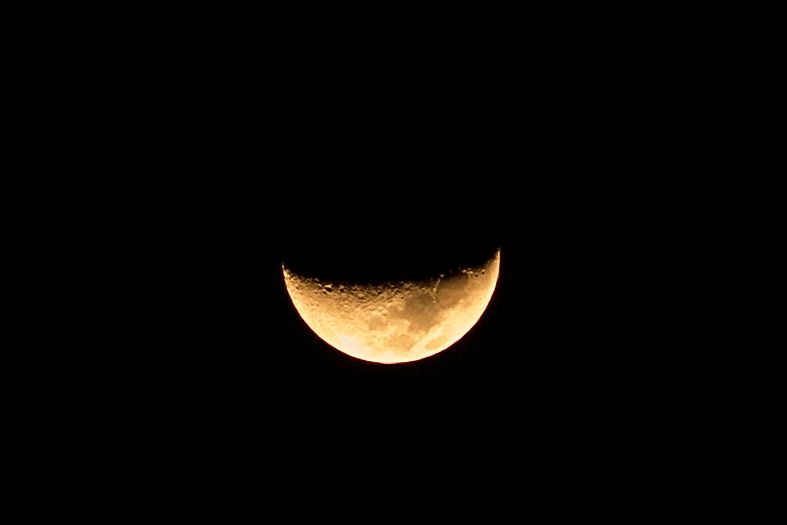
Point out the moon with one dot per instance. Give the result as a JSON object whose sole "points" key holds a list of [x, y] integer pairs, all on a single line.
{"points": [[395, 321]]}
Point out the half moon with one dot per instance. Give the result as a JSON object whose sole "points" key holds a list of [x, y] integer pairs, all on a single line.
{"points": [[394, 322]]}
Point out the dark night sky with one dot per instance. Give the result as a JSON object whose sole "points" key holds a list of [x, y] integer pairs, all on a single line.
{"points": [[178, 157]]}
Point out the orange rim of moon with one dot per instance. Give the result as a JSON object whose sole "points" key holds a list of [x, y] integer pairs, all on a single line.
{"points": [[394, 321]]}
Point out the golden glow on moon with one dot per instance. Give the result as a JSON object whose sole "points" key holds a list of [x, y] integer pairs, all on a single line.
{"points": [[394, 322]]}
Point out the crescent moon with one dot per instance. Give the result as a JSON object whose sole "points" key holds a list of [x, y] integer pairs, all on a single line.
{"points": [[394, 322]]}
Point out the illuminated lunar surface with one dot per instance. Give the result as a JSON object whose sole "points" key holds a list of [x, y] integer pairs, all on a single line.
{"points": [[394, 322]]}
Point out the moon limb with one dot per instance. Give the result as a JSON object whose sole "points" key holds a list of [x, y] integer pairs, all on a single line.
{"points": [[394, 322]]}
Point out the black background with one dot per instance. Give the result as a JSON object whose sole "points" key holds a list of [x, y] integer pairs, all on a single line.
{"points": [[178, 157]]}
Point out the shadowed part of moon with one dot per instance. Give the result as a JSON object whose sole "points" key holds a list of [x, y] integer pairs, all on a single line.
{"points": [[394, 322]]}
